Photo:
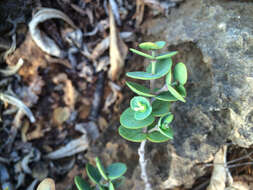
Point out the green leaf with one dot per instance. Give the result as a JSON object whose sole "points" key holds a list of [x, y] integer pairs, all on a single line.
{"points": [[153, 125], [118, 182], [152, 45], [93, 173], [168, 132], [149, 46], [141, 107], [160, 44], [162, 68], [166, 96], [166, 55], [134, 135], [181, 90], [142, 54], [168, 79], [111, 186], [175, 93], [101, 168], [127, 120], [101, 188], [139, 89], [157, 137], [141, 75], [163, 125], [160, 108], [165, 120], [81, 184], [116, 170], [180, 73]]}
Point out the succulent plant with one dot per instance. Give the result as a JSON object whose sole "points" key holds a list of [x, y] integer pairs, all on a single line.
{"points": [[149, 116]]}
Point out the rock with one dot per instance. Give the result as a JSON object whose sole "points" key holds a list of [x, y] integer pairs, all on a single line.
{"points": [[215, 41]]}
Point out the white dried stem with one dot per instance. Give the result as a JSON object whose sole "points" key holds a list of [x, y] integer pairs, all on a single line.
{"points": [[11, 70], [229, 179], [45, 43], [12, 48], [73, 147], [218, 179], [143, 165], [18, 103]]}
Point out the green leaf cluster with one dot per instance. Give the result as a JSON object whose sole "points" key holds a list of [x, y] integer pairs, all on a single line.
{"points": [[149, 116], [108, 178]]}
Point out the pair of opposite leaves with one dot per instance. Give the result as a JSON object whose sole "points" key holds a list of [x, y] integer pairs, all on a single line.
{"points": [[112, 175], [141, 105], [163, 66]]}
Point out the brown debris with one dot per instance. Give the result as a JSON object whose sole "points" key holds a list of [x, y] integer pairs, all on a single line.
{"points": [[60, 115], [68, 180], [102, 123], [69, 90], [84, 111], [118, 50], [140, 6], [30, 94], [33, 57], [100, 48], [112, 97], [36, 133]]}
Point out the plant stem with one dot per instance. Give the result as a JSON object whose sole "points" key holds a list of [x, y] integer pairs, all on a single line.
{"points": [[143, 164], [141, 150], [153, 68], [153, 63]]}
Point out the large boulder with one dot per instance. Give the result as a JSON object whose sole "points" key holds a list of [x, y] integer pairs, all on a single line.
{"points": [[215, 41]]}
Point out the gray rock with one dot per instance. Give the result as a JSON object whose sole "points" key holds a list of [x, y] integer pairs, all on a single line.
{"points": [[215, 41]]}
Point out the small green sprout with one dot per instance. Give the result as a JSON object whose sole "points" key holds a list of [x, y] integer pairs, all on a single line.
{"points": [[163, 125], [141, 107], [152, 46], [104, 178], [149, 117]]}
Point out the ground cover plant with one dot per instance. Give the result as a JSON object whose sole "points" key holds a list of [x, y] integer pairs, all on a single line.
{"points": [[108, 178], [148, 117], [104, 178]]}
